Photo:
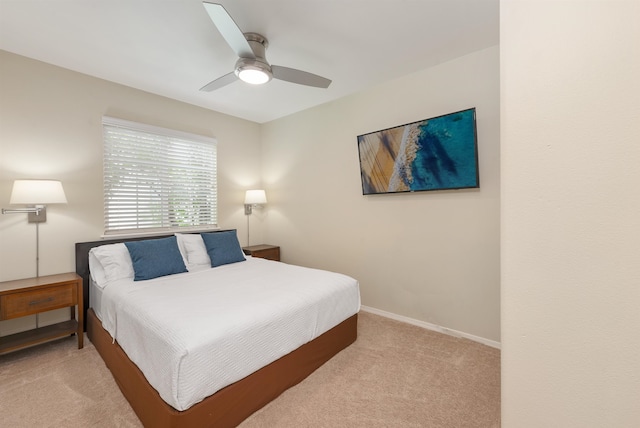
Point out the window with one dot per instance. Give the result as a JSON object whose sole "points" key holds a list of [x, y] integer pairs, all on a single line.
{"points": [[157, 179]]}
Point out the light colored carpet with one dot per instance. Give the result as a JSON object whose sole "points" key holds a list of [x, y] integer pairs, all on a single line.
{"points": [[394, 375]]}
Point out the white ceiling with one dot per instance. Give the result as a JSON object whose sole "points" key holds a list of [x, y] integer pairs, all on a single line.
{"points": [[171, 47]]}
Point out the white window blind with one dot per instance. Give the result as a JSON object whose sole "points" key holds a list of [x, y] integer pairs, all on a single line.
{"points": [[157, 179]]}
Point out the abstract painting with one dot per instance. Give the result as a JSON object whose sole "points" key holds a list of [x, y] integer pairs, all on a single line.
{"points": [[433, 154]]}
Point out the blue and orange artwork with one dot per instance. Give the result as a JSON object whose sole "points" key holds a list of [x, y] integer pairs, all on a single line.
{"points": [[433, 154]]}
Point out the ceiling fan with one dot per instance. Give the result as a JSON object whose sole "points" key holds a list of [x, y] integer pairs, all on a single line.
{"points": [[252, 66]]}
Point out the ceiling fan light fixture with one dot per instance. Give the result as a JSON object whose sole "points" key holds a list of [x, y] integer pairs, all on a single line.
{"points": [[254, 77], [253, 71]]}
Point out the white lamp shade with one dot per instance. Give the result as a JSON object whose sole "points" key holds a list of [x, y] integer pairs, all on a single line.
{"points": [[255, 197], [37, 192]]}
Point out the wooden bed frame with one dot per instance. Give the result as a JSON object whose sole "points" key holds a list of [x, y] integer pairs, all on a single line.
{"points": [[229, 406]]}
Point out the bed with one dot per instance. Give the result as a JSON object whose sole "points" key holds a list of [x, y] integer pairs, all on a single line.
{"points": [[256, 328]]}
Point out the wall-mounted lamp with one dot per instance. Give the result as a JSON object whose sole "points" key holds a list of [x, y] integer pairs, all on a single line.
{"points": [[253, 198], [37, 194]]}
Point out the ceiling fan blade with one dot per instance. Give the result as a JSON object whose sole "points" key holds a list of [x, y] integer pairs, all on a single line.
{"points": [[300, 77], [229, 29], [220, 82]]}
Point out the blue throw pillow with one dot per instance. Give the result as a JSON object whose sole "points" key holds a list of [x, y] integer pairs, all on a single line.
{"points": [[223, 247], [155, 257]]}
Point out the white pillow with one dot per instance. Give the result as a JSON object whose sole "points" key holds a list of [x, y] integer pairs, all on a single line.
{"points": [[110, 262], [96, 270], [193, 251]]}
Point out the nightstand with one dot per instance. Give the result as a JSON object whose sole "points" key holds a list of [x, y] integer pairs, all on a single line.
{"points": [[271, 252], [30, 296]]}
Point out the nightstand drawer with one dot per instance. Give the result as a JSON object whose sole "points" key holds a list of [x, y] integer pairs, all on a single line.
{"points": [[17, 305]]}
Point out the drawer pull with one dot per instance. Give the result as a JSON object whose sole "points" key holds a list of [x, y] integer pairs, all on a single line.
{"points": [[37, 302]]}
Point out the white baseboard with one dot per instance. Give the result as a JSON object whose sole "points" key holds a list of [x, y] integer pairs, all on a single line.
{"points": [[429, 326]]}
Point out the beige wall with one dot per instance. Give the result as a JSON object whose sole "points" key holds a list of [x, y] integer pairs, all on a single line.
{"points": [[429, 256], [570, 213], [50, 127]]}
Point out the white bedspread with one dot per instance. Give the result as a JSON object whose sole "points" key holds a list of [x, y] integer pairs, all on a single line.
{"points": [[194, 333]]}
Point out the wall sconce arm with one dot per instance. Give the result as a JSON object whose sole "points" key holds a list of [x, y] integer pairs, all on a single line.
{"points": [[37, 214]]}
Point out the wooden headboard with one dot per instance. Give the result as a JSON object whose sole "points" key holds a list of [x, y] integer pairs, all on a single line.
{"points": [[82, 260]]}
